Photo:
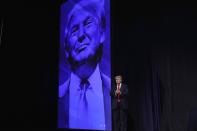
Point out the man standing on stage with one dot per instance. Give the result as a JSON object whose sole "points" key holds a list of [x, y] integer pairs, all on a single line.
{"points": [[119, 94]]}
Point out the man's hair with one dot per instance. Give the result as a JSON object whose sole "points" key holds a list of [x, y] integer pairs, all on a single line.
{"points": [[94, 6], [118, 76]]}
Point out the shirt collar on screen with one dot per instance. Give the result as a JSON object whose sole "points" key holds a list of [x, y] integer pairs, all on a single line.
{"points": [[75, 81], [94, 79]]}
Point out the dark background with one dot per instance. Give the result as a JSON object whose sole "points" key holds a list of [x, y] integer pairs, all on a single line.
{"points": [[153, 47]]}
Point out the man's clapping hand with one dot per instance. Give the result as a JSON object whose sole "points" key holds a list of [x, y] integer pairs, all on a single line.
{"points": [[117, 92]]}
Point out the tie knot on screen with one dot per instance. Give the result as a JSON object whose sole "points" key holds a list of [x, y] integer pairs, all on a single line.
{"points": [[84, 84]]}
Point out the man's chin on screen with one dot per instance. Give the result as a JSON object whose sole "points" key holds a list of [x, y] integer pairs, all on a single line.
{"points": [[84, 54]]}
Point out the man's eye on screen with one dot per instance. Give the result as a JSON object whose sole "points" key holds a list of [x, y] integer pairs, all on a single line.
{"points": [[74, 30], [89, 22]]}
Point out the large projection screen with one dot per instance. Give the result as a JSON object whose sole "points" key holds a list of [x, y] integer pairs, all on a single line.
{"points": [[84, 100]]}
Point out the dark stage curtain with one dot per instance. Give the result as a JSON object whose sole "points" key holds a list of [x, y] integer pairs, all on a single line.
{"points": [[159, 62]]}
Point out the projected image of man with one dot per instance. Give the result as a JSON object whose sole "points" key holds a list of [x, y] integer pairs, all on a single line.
{"points": [[84, 97]]}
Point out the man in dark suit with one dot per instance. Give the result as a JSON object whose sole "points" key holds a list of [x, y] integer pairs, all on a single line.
{"points": [[119, 94], [84, 99]]}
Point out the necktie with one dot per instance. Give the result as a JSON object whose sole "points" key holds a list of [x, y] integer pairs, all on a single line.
{"points": [[118, 93], [83, 105]]}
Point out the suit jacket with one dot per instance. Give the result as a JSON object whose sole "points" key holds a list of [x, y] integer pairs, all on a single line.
{"points": [[123, 97], [63, 103]]}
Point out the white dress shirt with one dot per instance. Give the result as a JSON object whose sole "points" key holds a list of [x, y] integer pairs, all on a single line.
{"points": [[95, 118]]}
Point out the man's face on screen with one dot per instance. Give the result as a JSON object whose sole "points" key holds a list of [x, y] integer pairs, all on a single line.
{"points": [[84, 35]]}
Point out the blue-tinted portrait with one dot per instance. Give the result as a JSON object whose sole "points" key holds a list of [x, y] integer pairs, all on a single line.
{"points": [[84, 100]]}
